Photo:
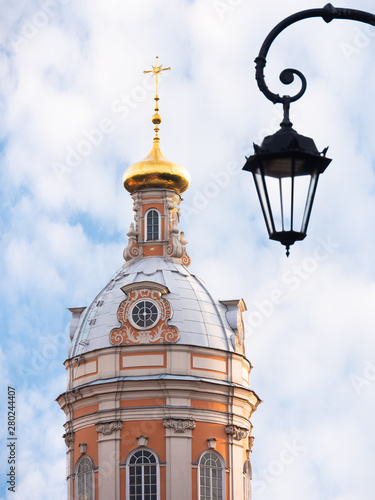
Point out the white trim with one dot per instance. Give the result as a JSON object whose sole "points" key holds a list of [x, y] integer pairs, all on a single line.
{"points": [[142, 448], [222, 461], [145, 224], [81, 458]]}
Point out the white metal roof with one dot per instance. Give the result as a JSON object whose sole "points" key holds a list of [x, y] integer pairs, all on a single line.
{"points": [[200, 318]]}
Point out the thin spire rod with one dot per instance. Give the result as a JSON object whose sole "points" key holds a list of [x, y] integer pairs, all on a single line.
{"points": [[156, 119]]}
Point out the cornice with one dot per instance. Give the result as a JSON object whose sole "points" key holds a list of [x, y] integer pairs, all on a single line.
{"points": [[110, 420]]}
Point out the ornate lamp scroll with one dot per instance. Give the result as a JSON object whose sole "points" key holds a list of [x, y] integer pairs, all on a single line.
{"points": [[327, 13]]}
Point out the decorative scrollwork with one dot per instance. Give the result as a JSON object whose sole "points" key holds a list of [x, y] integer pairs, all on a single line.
{"points": [[132, 249], [238, 433], [108, 428], [327, 13], [69, 439], [185, 259], [286, 77], [177, 244], [160, 333]]}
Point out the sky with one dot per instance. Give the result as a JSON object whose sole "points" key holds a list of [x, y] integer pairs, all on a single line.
{"points": [[75, 112]]}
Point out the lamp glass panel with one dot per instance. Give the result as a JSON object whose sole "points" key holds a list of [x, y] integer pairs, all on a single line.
{"points": [[278, 167], [301, 191], [260, 184], [309, 201], [283, 166], [287, 204], [279, 193]]}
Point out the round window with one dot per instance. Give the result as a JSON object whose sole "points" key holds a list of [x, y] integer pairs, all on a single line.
{"points": [[144, 314]]}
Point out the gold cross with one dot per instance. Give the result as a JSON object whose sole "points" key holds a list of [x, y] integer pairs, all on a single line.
{"points": [[156, 70]]}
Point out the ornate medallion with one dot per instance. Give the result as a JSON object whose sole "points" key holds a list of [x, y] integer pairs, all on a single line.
{"points": [[144, 318]]}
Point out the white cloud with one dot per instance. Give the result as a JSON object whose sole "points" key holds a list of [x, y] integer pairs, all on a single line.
{"points": [[63, 240], [40, 449]]}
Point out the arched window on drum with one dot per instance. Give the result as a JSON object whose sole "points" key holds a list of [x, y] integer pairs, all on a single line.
{"points": [[84, 479], [247, 477], [142, 475], [211, 476], [152, 225]]}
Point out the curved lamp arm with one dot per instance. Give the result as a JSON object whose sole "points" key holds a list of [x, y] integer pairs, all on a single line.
{"points": [[327, 13]]}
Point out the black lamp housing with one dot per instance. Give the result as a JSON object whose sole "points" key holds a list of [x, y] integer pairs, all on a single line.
{"points": [[288, 159], [290, 164]]}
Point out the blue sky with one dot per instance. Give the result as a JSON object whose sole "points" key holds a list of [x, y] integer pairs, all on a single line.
{"points": [[75, 112]]}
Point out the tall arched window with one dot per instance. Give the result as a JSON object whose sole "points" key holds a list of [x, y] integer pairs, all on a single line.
{"points": [[142, 475], [152, 225], [84, 479], [211, 476], [247, 476]]}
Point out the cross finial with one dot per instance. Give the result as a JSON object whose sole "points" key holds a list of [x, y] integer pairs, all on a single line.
{"points": [[156, 71]]}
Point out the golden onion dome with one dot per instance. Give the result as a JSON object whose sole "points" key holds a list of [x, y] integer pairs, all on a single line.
{"points": [[155, 171]]}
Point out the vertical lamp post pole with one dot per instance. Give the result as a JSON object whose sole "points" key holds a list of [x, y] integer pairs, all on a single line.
{"points": [[287, 163]]}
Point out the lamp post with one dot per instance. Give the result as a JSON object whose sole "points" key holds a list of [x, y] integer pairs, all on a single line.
{"points": [[287, 164]]}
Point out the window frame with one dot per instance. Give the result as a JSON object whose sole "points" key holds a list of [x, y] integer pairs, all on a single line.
{"points": [[131, 319], [222, 462], [247, 477], [127, 466], [78, 463], [148, 212]]}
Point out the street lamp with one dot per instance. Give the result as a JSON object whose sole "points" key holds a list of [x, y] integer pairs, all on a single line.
{"points": [[287, 165]]}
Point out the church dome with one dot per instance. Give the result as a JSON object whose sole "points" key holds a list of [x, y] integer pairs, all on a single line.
{"points": [[158, 382], [199, 319], [155, 171]]}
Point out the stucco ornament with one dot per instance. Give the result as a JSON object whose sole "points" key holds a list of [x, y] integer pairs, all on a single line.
{"points": [[154, 329], [178, 425], [238, 433], [107, 428], [69, 439]]}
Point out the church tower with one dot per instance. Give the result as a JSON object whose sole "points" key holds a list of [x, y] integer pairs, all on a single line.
{"points": [[157, 403]]}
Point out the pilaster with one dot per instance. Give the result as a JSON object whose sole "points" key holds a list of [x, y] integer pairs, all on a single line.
{"points": [[178, 434], [69, 441], [236, 435], [109, 459]]}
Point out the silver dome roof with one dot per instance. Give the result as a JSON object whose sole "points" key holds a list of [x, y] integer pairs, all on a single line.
{"points": [[201, 320]]}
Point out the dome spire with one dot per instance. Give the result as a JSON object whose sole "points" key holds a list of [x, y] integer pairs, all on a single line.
{"points": [[156, 119], [155, 171]]}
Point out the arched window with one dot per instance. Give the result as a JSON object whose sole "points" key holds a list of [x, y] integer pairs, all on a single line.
{"points": [[247, 476], [211, 476], [84, 479], [142, 475], [152, 225]]}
